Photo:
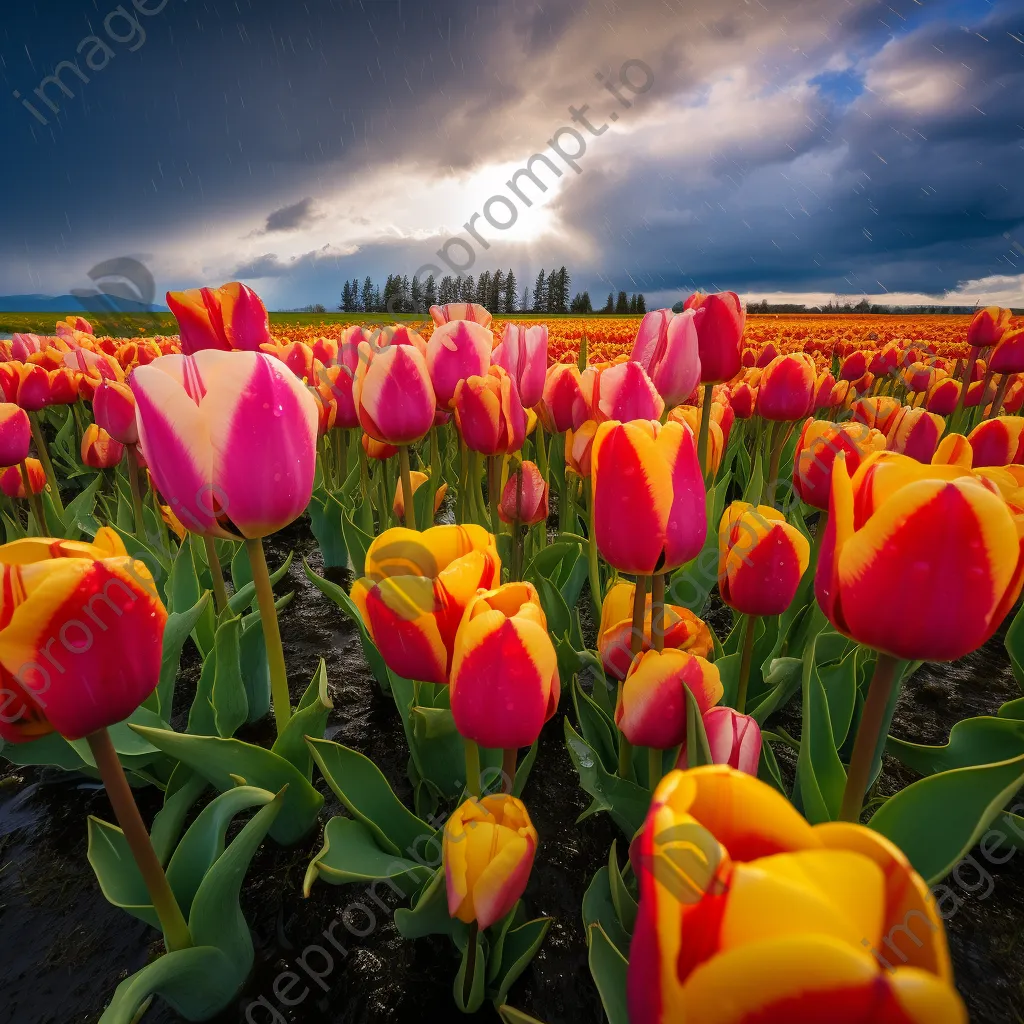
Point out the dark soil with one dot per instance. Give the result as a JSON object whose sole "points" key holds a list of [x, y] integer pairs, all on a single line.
{"points": [[65, 948]]}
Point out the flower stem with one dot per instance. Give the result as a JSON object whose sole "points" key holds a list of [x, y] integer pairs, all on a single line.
{"points": [[781, 437], [220, 592], [997, 402], [868, 735], [705, 427], [508, 769], [745, 659], [592, 556], [472, 767], [655, 759], [462, 510], [132, 457], [271, 633], [635, 645], [658, 611], [435, 475], [494, 490], [410, 508], [35, 502], [172, 921], [44, 458]]}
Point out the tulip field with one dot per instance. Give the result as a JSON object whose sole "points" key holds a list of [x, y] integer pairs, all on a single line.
{"points": [[656, 670]]}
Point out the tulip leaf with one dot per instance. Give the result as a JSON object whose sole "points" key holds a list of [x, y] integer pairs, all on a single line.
{"points": [[1012, 709], [117, 873], [14, 530], [221, 760], [245, 593], [310, 719], [510, 1015], [974, 741], [624, 903], [51, 749], [519, 947], [132, 750], [698, 749], [691, 585], [326, 515], [54, 525], [496, 939], [220, 704], [523, 770], [755, 482], [563, 564], [359, 785], [555, 609], [350, 854], [624, 800], [178, 629], [79, 508], [784, 678], [345, 603], [608, 967], [252, 654], [936, 820], [357, 542], [470, 982], [429, 913], [598, 731], [1014, 643], [768, 766], [170, 819]]}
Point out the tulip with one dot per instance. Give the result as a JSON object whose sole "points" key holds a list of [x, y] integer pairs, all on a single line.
{"points": [[99, 449], [12, 483], [504, 677], [298, 357], [489, 414], [667, 347], [418, 480], [64, 386], [471, 311], [336, 380], [787, 388], [579, 447], [326, 411], [823, 388], [820, 442], [15, 434], [988, 327], [378, 449], [915, 432], [647, 476], [998, 442], [398, 334], [723, 862], [1008, 355], [716, 442], [325, 350], [561, 402], [525, 497], [457, 350], [393, 395], [855, 365], [743, 399], [33, 387], [416, 588], [625, 392], [943, 396], [878, 411], [683, 630], [733, 740], [523, 352], [653, 708], [230, 317], [719, 334], [113, 406], [884, 362], [953, 450], [767, 355], [487, 851], [842, 394]]}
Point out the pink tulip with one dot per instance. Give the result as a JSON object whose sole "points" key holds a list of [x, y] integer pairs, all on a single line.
{"points": [[666, 346], [734, 739], [457, 350], [472, 311], [230, 438], [393, 395], [624, 392], [113, 407], [230, 317], [23, 345], [398, 334], [719, 334], [523, 351]]}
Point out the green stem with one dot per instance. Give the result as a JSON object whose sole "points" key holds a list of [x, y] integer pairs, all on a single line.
{"points": [[705, 427], [435, 475], [858, 777], [44, 458], [592, 557], [745, 659], [965, 383], [172, 921], [35, 502], [220, 592], [655, 759], [636, 643], [271, 633], [542, 455], [997, 402], [494, 490], [472, 767], [384, 518], [658, 612], [508, 768], [133, 482], [364, 473], [781, 437], [819, 535], [410, 506]]}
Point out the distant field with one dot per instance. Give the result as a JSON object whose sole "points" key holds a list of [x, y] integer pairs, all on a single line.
{"points": [[133, 325]]}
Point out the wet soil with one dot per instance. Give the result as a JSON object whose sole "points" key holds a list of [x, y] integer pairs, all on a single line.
{"points": [[64, 948]]}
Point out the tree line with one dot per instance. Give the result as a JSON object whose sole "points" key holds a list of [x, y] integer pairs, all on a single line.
{"points": [[496, 290]]}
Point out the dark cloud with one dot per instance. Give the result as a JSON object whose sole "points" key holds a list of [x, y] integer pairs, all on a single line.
{"points": [[298, 215]]}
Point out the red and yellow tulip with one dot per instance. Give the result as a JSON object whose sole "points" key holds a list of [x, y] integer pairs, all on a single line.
{"points": [[417, 480], [819, 443], [13, 484], [99, 449], [915, 432], [489, 414], [788, 387], [230, 317], [998, 442]]}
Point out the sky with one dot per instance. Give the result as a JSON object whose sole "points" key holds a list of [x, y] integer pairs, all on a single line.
{"points": [[784, 149]]}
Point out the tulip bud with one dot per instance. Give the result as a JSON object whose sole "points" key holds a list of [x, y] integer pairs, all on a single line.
{"points": [[393, 396], [113, 406], [1008, 356], [997, 442], [733, 739], [579, 446], [653, 709], [823, 388], [417, 480], [298, 357], [504, 681], [767, 355], [15, 434], [690, 415], [915, 432], [326, 410], [487, 851], [787, 388], [378, 449], [877, 412], [666, 346], [334, 383], [523, 352], [742, 399], [33, 387], [525, 497], [456, 351], [13, 485], [943, 396], [819, 444], [624, 392], [855, 365], [471, 311], [99, 449], [488, 413], [562, 399], [988, 326], [719, 334], [761, 559]]}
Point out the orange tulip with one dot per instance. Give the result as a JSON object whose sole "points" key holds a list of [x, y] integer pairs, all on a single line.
{"points": [[99, 449], [819, 444], [787, 388], [915, 432]]}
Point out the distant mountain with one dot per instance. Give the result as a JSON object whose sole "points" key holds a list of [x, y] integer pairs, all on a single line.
{"points": [[108, 304]]}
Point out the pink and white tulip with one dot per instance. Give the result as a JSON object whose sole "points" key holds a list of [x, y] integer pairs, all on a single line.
{"points": [[666, 347], [456, 351], [523, 352]]}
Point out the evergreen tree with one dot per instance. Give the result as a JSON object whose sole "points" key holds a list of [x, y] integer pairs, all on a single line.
{"points": [[564, 281], [609, 306], [467, 292], [511, 292], [430, 293], [641, 304], [524, 302], [405, 294], [378, 300], [356, 304], [554, 292], [367, 296], [622, 303], [346, 298], [416, 297], [446, 290], [496, 302], [588, 306], [632, 303], [483, 287], [540, 294]]}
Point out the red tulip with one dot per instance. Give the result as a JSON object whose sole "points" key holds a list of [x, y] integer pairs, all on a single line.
{"points": [[525, 497], [719, 334], [787, 388], [15, 434]]}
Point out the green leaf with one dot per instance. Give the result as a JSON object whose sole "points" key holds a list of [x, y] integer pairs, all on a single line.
{"points": [[221, 705], [244, 596], [79, 508], [183, 590], [220, 760], [555, 608], [350, 854], [784, 678], [625, 801], [359, 785], [469, 990], [117, 873], [608, 967], [523, 770], [54, 520], [974, 741], [170, 819], [357, 542], [429, 914], [599, 908], [755, 485], [598, 731], [625, 905], [936, 820], [510, 1015], [51, 749], [176, 632], [563, 564], [1015, 646], [310, 719], [326, 515], [698, 750], [518, 949]]}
